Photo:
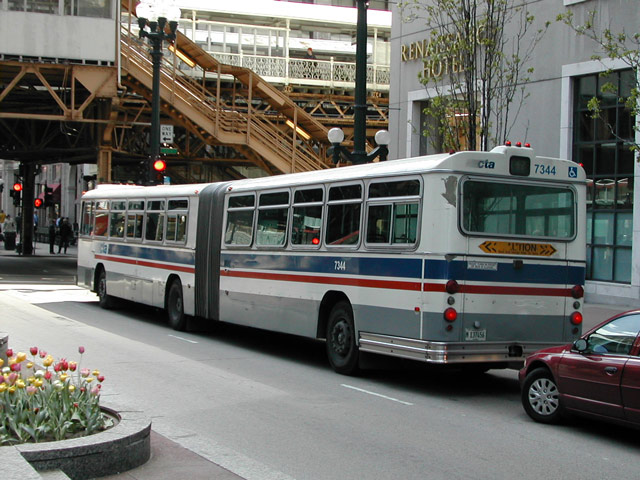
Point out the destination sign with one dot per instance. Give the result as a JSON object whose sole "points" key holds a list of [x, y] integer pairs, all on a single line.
{"points": [[518, 248]]}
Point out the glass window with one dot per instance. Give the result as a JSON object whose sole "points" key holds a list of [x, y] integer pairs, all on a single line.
{"points": [[101, 218], [155, 226], [182, 204], [136, 205], [117, 225], [616, 337], [379, 224], [602, 145], [271, 229], [86, 225], [518, 209], [134, 225], [404, 188], [307, 217], [343, 215], [176, 227], [239, 227]]}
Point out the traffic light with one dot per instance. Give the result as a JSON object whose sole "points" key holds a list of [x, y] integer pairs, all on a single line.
{"points": [[159, 165], [48, 196], [16, 193], [38, 203]]}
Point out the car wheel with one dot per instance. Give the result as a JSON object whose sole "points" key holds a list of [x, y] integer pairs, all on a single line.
{"points": [[541, 397], [175, 307], [341, 342], [104, 299]]}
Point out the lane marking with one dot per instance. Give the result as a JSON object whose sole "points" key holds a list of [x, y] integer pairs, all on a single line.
{"points": [[183, 339], [375, 394]]}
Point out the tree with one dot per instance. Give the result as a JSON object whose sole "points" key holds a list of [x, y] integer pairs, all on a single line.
{"points": [[616, 46], [475, 68]]}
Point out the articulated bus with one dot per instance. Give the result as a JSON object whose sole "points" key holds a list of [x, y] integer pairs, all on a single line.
{"points": [[473, 258]]}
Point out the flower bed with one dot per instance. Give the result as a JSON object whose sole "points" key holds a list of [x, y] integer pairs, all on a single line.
{"points": [[50, 400]]}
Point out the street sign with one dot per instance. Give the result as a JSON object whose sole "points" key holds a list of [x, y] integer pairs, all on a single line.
{"points": [[166, 133], [168, 151], [518, 248]]}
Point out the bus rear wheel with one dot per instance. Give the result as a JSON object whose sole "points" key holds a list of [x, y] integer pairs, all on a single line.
{"points": [[104, 299], [175, 306], [341, 340]]}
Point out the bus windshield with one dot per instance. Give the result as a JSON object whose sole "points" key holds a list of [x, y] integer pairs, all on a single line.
{"points": [[518, 209]]}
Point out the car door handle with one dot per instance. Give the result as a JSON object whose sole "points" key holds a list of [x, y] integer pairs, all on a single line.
{"points": [[610, 370]]}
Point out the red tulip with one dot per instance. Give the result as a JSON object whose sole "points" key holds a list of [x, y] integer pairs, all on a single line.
{"points": [[81, 350], [34, 351], [9, 352], [16, 367], [100, 378]]}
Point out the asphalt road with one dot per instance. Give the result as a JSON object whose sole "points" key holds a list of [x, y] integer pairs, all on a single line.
{"points": [[267, 406]]}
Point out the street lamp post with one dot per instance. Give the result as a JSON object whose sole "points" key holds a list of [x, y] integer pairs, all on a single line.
{"points": [[336, 135], [156, 15]]}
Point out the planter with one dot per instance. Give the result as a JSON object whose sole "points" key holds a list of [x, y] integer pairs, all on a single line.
{"points": [[118, 449]]}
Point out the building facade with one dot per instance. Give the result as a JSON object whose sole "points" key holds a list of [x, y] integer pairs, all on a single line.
{"points": [[555, 119]]}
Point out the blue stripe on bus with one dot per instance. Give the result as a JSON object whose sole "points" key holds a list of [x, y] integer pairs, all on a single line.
{"points": [[380, 267], [528, 273], [154, 254], [405, 268]]}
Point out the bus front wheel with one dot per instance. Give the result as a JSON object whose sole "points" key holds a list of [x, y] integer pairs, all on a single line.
{"points": [[175, 307], [341, 340], [104, 299]]}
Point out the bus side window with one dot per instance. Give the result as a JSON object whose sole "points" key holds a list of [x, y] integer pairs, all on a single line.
{"points": [[396, 222], [307, 217], [86, 225], [117, 219], [154, 221], [177, 221], [343, 216], [239, 229], [273, 212], [135, 217], [101, 223], [405, 223]]}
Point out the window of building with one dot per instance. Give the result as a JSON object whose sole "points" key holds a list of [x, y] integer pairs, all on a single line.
{"points": [[602, 146]]}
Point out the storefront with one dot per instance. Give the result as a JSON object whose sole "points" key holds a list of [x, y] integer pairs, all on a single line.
{"points": [[554, 117]]}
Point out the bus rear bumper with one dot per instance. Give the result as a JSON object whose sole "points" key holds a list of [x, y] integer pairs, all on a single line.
{"points": [[510, 353]]}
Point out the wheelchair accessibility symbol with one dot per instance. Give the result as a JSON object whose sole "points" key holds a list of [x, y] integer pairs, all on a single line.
{"points": [[573, 172]]}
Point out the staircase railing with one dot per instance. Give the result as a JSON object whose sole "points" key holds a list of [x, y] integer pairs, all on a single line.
{"points": [[269, 137]]}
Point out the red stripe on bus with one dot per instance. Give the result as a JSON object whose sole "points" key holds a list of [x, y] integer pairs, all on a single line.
{"points": [[143, 263], [500, 290], [355, 282]]}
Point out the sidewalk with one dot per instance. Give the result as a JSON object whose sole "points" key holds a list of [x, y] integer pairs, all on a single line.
{"points": [[41, 249]]}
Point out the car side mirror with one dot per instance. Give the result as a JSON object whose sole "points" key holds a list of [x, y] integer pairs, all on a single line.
{"points": [[580, 345]]}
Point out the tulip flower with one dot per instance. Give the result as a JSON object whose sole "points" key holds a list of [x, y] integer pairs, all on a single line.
{"points": [[33, 351], [3, 387], [48, 361], [85, 372], [1, 362], [9, 352], [21, 357], [95, 391], [12, 378], [39, 374], [16, 367], [80, 350], [48, 375], [73, 366], [42, 354], [20, 383], [30, 365], [100, 378], [31, 390]]}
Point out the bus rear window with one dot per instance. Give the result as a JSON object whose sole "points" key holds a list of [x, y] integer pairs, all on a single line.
{"points": [[518, 209]]}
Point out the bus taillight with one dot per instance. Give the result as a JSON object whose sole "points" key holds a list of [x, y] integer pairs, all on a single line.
{"points": [[577, 291], [452, 287], [576, 318], [450, 314]]}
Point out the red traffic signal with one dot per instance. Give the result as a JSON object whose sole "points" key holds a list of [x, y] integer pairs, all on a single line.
{"points": [[37, 203], [159, 165], [17, 187]]}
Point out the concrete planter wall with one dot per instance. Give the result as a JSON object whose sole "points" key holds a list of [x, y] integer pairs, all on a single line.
{"points": [[118, 449]]}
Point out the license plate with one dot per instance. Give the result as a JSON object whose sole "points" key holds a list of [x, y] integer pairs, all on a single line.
{"points": [[475, 335]]}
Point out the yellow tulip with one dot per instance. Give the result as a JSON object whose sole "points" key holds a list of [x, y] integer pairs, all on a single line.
{"points": [[89, 379], [63, 377], [72, 388], [48, 361], [3, 387], [30, 365], [20, 383], [31, 380], [21, 357], [1, 362], [12, 389], [95, 373]]}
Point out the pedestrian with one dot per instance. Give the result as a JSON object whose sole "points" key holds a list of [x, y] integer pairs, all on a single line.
{"points": [[310, 55], [10, 230], [65, 235], [52, 235]]}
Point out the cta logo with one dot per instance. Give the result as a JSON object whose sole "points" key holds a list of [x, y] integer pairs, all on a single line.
{"points": [[486, 164]]}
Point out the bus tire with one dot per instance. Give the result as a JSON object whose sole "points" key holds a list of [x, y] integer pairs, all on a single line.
{"points": [[105, 300], [541, 397], [342, 351], [175, 307]]}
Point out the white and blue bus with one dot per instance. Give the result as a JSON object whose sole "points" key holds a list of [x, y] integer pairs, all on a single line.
{"points": [[467, 258]]}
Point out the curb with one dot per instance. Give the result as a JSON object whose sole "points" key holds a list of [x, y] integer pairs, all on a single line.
{"points": [[123, 447]]}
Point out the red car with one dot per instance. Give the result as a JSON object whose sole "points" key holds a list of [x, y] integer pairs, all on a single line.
{"points": [[597, 375]]}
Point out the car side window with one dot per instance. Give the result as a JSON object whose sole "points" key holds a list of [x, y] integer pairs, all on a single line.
{"points": [[615, 337]]}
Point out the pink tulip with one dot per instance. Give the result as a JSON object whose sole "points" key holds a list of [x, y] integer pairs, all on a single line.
{"points": [[81, 350], [16, 367], [42, 354]]}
